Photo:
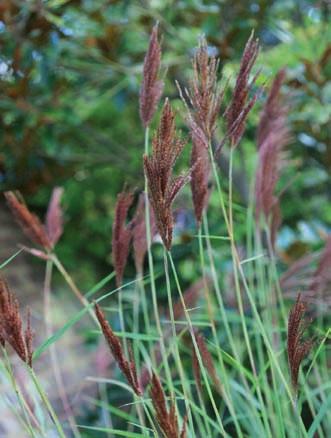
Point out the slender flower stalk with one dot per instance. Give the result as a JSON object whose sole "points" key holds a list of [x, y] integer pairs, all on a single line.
{"points": [[42, 235], [203, 102], [271, 139], [128, 368], [163, 189], [139, 238], [121, 235], [167, 419], [151, 88], [11, 325], [297, 348], [241, 104]]}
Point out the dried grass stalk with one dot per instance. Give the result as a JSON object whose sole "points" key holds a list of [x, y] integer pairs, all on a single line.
{"points": [[297, 348], [151, 88], [127, 367], [163, 189], [122, 235], [11, 325]]}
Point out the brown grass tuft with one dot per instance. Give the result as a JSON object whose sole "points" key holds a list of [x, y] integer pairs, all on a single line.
{"points": [[122, 235], [163, 189], [11, 326], [297, 348], [128, 368], [151, 88]]}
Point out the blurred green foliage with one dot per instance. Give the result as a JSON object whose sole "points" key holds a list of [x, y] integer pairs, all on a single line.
{"points": [[70, 73]]}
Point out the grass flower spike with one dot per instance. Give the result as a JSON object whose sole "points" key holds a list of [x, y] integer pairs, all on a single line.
{"points": [[297, 348], [11, 325], [241, 104], [128, 368], [121, 235], [163, 189], [151, 87]]}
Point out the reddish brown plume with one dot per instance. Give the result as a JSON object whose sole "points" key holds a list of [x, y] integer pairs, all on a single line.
{"points": [[274, 113], [272, 137], [151, 88], [30, 224], [128, 368], [140, 246], [241, 104], [121, 235], [163, 189], [322, 276], [11, 326], [54, 216], [167, 420], [207, 361], [297, 348], [205, 101]]}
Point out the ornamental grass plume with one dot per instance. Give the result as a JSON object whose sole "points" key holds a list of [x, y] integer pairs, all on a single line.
{"points": [[42, 235], [139, 238], [207, 361], [167, 420], [121, 235], [11, 325], [297, 348], [127, 367], [205, 99], [322, 275], [151, 88], [241, 104], [272, 136], [163, 189]]}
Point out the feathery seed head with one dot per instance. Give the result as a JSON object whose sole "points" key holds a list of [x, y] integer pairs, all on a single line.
{"points": [[128, 368], [163, 188], [122, 235], [11, 326], [151, 88], [240, 105], [297, 348]]}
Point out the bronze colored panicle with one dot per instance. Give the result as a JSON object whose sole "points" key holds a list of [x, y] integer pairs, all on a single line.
{"points": [[128, 368], [274, 113], [11, 326], [151, 87], [30, 224], [272, 137], [54, 216], [139, 238], [46, 235], [167, 420], [297, 348], [163, 189], [121, 235], [322, 276], [205, 101], [207, 361], [241, 104]]}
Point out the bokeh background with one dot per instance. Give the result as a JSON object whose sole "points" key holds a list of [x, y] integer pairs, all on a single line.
{"points": [[70, 73]]}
